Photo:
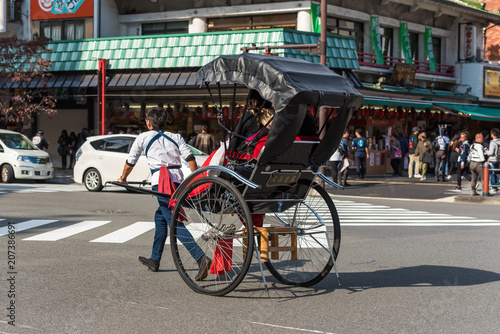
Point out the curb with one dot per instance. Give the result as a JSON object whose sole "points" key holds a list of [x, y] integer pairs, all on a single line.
{"points": [[477, 199]]}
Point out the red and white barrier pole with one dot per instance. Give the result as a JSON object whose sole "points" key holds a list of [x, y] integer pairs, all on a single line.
{"points": [[486, 179]]}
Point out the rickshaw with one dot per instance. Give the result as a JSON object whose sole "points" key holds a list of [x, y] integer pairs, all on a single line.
{"points": [[263, 201]]}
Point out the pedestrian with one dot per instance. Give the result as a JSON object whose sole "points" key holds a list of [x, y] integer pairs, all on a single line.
{"points": [[405, 146], [63, 148], [73, 143], [441, 147], [395, 154], [164, 149], [493, 154], [39, 141], [338, 161], [476, 159], [371, 144], [453, 155], [486, 138], [205, 141], [413, 165], [425, 154], [360, 147], [82, 137], [462, 160]]}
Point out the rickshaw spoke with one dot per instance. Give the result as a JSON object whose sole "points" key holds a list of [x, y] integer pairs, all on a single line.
{"points": [[312, 261], [218, 217]]}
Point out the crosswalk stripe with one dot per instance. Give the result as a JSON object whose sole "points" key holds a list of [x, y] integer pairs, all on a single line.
{"points": [[127, 233], [68, 231], [474, 224], [26, 225], [196, 230]]}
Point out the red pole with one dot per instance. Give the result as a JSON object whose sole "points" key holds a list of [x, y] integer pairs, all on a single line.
{"points": [[103, 65], [486, 179]]}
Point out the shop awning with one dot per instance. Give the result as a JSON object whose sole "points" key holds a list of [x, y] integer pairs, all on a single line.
{"points": [[475, 112], [371, 100]]}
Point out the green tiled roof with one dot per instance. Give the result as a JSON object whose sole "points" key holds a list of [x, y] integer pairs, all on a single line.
{"points": [[191, 50]]}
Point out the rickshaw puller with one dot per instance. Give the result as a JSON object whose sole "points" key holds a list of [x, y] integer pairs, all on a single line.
{"points": [[164, 148]]}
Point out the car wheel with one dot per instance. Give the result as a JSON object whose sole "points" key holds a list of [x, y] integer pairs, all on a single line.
{"points": [[92, 180], [7, 174]]}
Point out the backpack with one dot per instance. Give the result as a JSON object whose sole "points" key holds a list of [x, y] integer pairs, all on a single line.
{"points": [[435, 144]]}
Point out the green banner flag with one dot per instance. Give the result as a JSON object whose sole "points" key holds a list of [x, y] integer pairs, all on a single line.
{"points": [[430, 49], [376, 40], [316, 17], [405, 43]]}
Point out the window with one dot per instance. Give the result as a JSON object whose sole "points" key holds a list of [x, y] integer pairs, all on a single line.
{"points": [[387, 40], [252, 22], [414, 45], [161, 28], [436, 46], [120, 145], [347, 28], [63, 30], [14, 12]]}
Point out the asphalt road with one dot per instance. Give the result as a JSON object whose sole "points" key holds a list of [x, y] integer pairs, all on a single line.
{"points": [[412, 277]]}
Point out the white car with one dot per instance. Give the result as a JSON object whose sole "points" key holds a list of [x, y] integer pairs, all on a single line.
{"points": [[20, 159], [101, 159]]}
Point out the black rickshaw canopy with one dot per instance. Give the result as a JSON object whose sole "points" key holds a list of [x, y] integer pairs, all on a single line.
{"points": [[291, 85], [283, 81]]}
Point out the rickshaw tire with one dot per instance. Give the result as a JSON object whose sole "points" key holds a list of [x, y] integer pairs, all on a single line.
{"points": [[195, 286], [335, 246]]}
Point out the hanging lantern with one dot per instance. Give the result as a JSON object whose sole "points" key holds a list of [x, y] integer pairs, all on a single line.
{"points": [[381, 113], [358, 113], [373, 112], [366, 112]]}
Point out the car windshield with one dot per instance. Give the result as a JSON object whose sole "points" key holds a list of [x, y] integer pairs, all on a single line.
{"points": [[17, 141], [195, 151]]}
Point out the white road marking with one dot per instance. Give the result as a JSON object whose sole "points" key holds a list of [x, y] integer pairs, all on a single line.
{"points": [[127, 233], [26, 225], [68, 231], [290, 328]]}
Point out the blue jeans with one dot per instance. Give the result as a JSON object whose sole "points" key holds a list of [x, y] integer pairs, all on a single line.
{"points": [[163, 216], [493, 176], [360, 164]]}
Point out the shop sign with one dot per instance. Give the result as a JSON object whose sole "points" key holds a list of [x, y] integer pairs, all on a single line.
{"points": [[491, 82], [61, 9], [403, 74], [379, 122], [430, 49], [404, 35], [316, 17], [470, 41], [376, 40]]}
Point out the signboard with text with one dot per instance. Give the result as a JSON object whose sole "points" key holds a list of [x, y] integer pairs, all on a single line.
{"points": [[61, 9], [403, 73], [470, 41], [491, 82]]}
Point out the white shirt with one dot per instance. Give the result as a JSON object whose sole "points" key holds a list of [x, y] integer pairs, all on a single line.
{"points": [[162, 152]]}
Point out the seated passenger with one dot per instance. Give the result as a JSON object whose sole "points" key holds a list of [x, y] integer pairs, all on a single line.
{"points": [[254, 124]]}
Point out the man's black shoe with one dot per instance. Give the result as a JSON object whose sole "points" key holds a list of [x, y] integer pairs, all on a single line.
{"points": [[152, 265], [347, 184], [204, 263]]}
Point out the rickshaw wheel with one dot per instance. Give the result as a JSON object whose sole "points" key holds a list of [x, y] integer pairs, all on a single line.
{"points": [[217, 216], [313, 260]]}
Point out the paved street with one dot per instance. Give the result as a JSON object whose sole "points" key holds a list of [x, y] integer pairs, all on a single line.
{"points": [[417, 266]]}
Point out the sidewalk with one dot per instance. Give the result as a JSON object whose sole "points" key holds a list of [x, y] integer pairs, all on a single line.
{"points": [[387, 186], [62, 176]]}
